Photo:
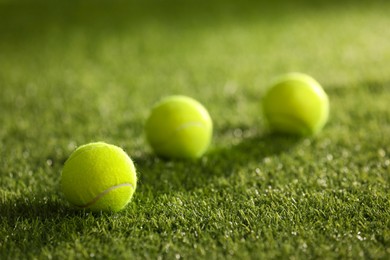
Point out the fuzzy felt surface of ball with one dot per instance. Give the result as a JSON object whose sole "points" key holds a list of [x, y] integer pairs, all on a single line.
{"points": [[99, 177], [296, 104], [179, 127]]}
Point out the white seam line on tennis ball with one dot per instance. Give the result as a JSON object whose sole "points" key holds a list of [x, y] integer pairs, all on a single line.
{"points": [[99, 196], [189, 124]]}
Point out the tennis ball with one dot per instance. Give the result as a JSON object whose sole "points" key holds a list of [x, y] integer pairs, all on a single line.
{"points": [[296, 104], [179, 127], [99, 177]]}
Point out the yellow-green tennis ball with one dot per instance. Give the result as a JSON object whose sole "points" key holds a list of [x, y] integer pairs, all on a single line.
{"points": [[179, 127], [99, 177], [296, 104]]}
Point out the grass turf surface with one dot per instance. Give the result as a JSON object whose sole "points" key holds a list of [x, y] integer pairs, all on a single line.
{"points": [[74, 73]]}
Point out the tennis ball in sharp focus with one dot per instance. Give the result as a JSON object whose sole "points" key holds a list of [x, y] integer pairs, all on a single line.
{"points": [[99, 177], [179, 127], [296, 104]]}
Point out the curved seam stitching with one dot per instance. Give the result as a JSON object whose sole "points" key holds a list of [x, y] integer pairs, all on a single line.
{"points": [[99, 196]]}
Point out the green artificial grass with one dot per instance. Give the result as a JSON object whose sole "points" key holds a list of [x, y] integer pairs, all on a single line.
{"points": [[73, 73]]}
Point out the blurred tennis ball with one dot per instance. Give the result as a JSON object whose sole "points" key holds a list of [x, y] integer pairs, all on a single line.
{"points": [[99, 177], [296, 104], [179, 127]]}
